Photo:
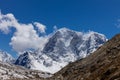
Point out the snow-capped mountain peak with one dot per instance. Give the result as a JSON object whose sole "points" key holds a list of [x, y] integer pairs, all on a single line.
{"points": [[63, 46], [64, 29]]}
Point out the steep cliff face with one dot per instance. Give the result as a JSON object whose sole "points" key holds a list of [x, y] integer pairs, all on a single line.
{"points": [[63, 47], [103, 64]]}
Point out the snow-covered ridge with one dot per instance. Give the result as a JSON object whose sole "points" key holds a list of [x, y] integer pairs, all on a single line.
{"points": [[6, 57], [62, 47]]}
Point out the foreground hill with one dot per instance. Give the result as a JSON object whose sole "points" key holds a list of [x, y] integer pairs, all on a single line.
{"points": [[103, 64]]}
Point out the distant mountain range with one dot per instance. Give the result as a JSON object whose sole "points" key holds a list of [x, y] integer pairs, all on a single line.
{"points": [[63, 47]]}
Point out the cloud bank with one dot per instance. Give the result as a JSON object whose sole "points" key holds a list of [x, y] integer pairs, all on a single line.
{"points": [[25, 37]]}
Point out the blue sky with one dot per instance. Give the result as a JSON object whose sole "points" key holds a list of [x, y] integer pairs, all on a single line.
{"points": [[82, 15]]}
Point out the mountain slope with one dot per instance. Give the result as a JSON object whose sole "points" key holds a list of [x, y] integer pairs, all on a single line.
{"points": [[6, 57], [63, 46], [103, 64]]}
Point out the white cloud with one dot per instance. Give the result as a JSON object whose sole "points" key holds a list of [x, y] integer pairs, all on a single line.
{"points": [[25, 37], [7, 21], [41, 27]]}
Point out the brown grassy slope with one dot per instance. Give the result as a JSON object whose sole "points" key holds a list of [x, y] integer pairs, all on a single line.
{"points": [[103, 64]]}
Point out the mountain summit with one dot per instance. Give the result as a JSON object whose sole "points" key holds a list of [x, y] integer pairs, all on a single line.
{"points": [[63, 47]]}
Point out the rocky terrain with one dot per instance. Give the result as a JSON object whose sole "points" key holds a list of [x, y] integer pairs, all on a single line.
{"points": [[12, 72]]}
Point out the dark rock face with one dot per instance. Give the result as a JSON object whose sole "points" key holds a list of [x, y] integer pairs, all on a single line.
{"points": [[103, 64], [23, 60]]}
